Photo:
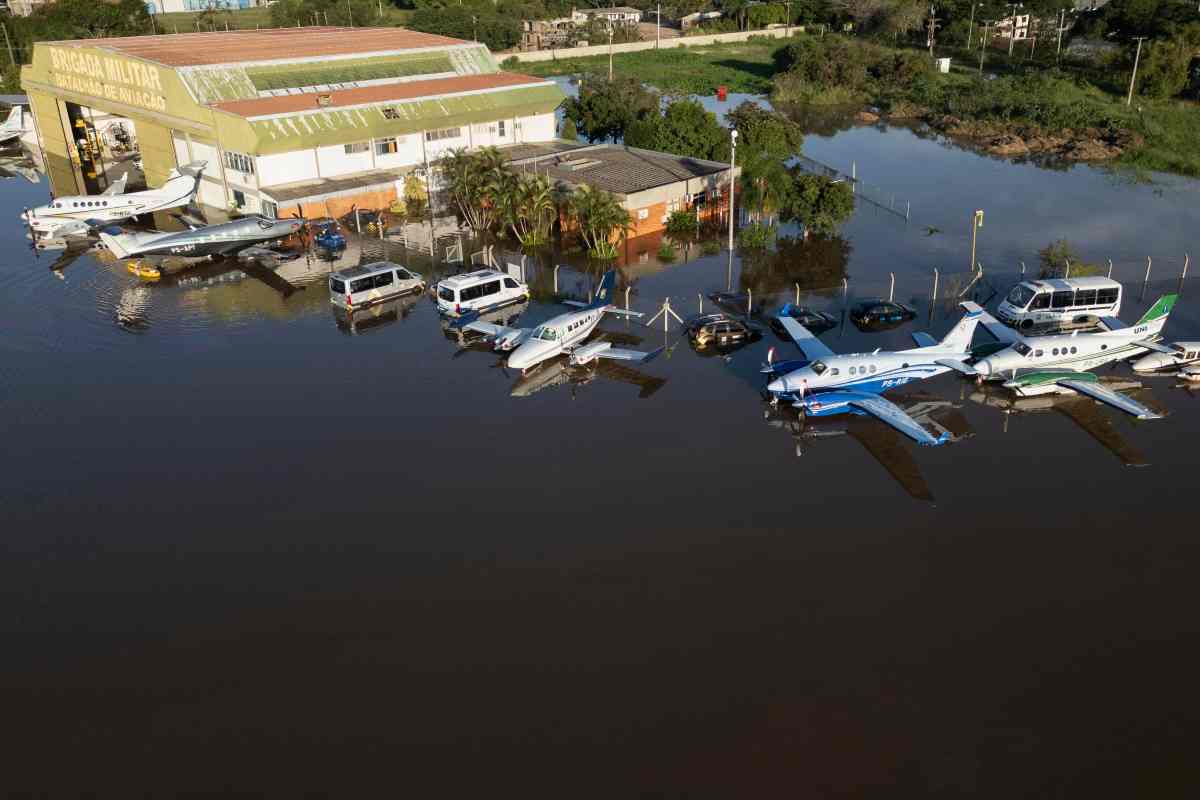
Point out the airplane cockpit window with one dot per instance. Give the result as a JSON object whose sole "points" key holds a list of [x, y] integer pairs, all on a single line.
{"points": [[1020, 296], [819, 367], [1178, 347], [1022, 348], [265, 224], [544, 333]]}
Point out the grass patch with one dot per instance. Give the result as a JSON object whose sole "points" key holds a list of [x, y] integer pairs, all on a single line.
{"points": [[741, 67]]}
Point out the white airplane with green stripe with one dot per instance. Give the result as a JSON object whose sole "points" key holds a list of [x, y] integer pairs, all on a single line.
{"points": [[1053, 364]]}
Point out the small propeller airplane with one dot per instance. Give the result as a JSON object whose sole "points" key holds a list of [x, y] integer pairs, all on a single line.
{"points": [[564, 334], [79, 215], [1059, 364], [826, 383], [223, 239]]}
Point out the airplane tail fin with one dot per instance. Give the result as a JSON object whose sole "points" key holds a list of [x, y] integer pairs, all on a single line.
{"points": [[958, 340], [13, 122], [116, 244], [606, 290], [1156, 317]]}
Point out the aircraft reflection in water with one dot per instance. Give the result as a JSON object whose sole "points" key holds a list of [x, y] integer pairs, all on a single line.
{"points": [[1083, 411], [374, 317], [883, 442]]}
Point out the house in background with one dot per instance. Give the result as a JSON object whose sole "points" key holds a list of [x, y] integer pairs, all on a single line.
{"points": [[619, 16]]}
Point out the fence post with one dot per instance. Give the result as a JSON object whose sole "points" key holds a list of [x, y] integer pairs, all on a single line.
{"points": [[627, 301], [1110, 268], [892, 290], [1068, 262], [907, 208], [1146, 280], [700, 301], [1185, 266], [845, 291], [749, 302], [556, 266], [933, 298], [1022, 269], [797, 294]]}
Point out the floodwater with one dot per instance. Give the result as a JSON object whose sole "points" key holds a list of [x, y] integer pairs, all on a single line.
{"points": [[252, 549]]}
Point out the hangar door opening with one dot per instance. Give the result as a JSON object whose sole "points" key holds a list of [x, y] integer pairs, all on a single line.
{"points": [[104, 147]]}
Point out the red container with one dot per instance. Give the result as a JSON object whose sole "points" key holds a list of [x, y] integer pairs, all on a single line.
{"points": [[722, 93]]}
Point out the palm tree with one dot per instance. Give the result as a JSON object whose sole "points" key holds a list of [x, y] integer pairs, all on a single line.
{"points": [[477, 182], [531, 208], [765, 184], [599, 215]]}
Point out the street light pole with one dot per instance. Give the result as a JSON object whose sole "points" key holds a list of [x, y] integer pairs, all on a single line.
{"points": [[658, 27], [983, 45], [610, 34], [732, 167], [971, 25], [1133, 77], [976, 224], [787, 22]]}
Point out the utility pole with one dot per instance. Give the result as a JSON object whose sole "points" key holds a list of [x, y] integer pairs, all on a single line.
{"points": [[1062, 18], [475, 28], [610, 35], [983, 45], [971, 25], [1133, 77], [1012, 28], [658, 27], [976, 224], [932, 27], [787, 20], [8, 43], [732, 167]]}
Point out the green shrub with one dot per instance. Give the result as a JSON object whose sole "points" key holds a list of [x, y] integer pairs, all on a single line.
{"points": [[681, 223], [666, 251], [756, 236], [710, 247]]}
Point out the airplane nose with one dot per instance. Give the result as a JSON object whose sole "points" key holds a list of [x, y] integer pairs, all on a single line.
{"points": [[983, 367], [777, 386]]}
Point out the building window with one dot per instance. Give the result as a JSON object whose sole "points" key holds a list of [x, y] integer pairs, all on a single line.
{"points": [[698, 199], [444, 133], [239, 162], [385, 147], [269, 209], [391, 112], [357, 147], [239, 198], [500, 128]]}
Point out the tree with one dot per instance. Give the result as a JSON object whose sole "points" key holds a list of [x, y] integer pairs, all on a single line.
{"points": [[477, 182], [498, 32], [604, 108], [80, 19], [568, 131], [287, 13], [1165, 66], [530, 209], [824, 63], [763, 130], [1056, 256], [766, 184], [685, 129], [599, 216], [818, 203]]}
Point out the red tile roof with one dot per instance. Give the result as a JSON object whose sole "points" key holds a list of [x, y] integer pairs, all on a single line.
{"points": [[411, 90], [232, 47]]}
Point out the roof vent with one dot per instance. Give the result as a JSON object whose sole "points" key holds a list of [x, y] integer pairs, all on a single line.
{"points": [[577, 164], [324, 99]]}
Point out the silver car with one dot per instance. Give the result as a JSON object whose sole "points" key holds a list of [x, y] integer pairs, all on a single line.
{"points": [[372, 283]]}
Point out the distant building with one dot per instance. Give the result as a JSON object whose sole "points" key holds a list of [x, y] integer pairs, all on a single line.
{"points": [[172, 6], [699, 18], [23, 8], [1018, 26], [621, 15], [546, 34]]}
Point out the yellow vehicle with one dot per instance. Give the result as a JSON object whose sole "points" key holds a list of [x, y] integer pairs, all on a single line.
{"points": [[143, 270]]}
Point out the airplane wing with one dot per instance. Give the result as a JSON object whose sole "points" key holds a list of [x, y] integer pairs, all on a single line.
{"points": [[1098, 391], [994, 326], [1112, 323], [618, 354], [490, 330], [812, 347], [956, 365], [892, 414], [1157, 347]]}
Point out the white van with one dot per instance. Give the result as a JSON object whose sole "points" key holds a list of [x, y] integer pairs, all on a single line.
{"points": [[372, 283], [479, 292], [1059, 301]]}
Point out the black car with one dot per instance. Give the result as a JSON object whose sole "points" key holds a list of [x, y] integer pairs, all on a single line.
{"points": [[816, 321], [880, 315], [721, 330], [737, 303]]}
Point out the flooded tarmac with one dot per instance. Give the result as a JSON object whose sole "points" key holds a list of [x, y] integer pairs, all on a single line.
{"points": [[253, 545]]}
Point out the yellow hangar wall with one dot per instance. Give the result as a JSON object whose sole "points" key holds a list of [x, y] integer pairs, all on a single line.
{"points": [[151, 95]]}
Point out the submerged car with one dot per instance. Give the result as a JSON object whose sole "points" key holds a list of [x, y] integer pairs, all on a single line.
{"points": [[736, 303], [816, 321], [880, 315], [721, 330]]}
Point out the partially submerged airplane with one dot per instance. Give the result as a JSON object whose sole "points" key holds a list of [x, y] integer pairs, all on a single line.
{"points": [[224, 239], [1059, 364], [1183, 360], [79, 215], [826, 383], [564, 334]]}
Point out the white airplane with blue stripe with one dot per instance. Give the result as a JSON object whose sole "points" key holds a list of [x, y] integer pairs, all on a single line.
{"points": [[825, 383]]}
